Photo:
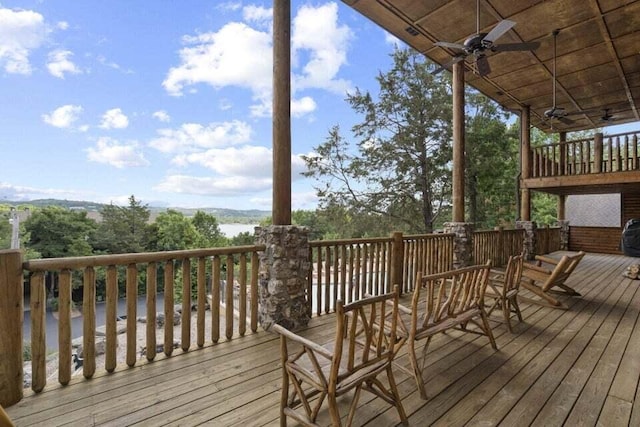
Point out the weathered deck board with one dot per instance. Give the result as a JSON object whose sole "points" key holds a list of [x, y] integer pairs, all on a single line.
{"points": [[578, 366]]}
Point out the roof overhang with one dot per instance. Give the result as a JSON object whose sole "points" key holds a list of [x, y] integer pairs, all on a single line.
{"points": [[598, 52]]}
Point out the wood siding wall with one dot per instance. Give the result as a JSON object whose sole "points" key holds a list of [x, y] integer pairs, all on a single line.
{"points": [[605, 240]]}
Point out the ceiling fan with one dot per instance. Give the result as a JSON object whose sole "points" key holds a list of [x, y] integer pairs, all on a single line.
{"points": [[607, 116], [479, 43], [555, 112]]}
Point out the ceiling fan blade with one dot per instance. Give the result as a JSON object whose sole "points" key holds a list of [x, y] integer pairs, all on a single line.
{"points": [[482, 64], [565, 120], [450, 45], [448, 64], [515, 46], [577, 113], [497, 31]]}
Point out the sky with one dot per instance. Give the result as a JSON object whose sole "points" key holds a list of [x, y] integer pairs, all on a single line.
{"points": [[170, 101]]}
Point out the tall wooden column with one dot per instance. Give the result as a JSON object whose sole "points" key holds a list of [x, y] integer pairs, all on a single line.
{"points": [[11, 321], [525, 145], [458, 143], [561, 198], [281, 207]]}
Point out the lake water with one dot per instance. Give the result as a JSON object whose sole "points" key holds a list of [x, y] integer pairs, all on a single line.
{"points": [[232, 230]]}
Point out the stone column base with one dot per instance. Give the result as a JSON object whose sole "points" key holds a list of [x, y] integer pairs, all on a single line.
{"points": [[529, 243], [564, 234], [283, 277], [462, 242]]}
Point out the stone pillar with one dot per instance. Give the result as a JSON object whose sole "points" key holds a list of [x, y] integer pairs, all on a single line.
{"points": [[529, 243], [462, 242], [564, 234], [284, 271]]}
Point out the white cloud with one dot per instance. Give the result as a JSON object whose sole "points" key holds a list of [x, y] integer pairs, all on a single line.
{"points": [[59, 63], [392, 40], [193, 136], [162, 116], [111, 152], [18, 193], [211, 186], [258, 15], [63, 117], [237, 55], [302, 106], [230, 6], [104, 61], [327, 52], [241, 56], [62, 25], [21, 31], [114, 119]]}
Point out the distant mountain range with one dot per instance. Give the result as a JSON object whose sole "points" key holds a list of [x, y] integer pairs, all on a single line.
{"points": [[222, 214]]}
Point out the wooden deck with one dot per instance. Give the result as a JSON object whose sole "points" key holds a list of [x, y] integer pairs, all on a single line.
{"points": [[577, 367]]}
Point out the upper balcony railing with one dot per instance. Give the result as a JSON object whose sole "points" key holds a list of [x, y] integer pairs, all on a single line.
{"points": [[608, 153]]}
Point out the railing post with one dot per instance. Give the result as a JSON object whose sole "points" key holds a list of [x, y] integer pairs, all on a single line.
{"points": [[500, 247], [597, 152], [397, 260], [11, 320]]}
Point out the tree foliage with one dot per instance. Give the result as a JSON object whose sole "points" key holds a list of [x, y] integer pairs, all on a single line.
{"points": [[398, 170], [56, 232], [124, 229]]}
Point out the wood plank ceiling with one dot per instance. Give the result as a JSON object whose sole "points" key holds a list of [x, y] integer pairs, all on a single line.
{"points": [[598, 52]]}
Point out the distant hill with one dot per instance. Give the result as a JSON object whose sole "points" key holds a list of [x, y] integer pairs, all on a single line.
{"points": [[222, 215]]}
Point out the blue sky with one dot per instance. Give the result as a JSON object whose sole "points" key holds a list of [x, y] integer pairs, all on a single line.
{"points": [[169, 100]]}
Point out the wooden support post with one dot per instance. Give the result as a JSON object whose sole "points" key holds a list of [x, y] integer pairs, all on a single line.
{"points": [[11, 320], [561, 207], [563, 153], [397, 259], [281, 205], [458, 143], [597, 152], [525, 163]]}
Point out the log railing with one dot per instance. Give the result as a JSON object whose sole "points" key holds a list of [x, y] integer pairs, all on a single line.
{"points": [[547, 240], [497, 245], [603, 153], [202, 269], [349, 269]]}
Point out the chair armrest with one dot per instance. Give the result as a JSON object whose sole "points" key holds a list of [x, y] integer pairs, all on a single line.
{"points": [[303, 341], [548, 260], [527, 266], [401, 307]]}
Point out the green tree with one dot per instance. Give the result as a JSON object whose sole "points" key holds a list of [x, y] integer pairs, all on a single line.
{"points": [[58, 232], [175, 231], [124, 229], [398, 173], [491, 163], [208, 229]]}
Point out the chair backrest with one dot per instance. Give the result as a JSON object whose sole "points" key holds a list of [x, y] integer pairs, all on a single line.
{"points": [[366, 333], [513, 273], [563, 270], [448, 295]]}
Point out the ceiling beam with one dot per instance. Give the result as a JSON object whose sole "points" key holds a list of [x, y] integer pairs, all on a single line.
{"points": [[606, 35]]}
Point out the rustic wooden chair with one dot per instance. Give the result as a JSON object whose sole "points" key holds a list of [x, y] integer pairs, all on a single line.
{"points": [[503, 289], [542, 281], [443, 301], [364, 347]]}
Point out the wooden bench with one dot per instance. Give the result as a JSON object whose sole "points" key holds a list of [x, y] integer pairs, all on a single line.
{"points": [[543, 281], [440, 302]]}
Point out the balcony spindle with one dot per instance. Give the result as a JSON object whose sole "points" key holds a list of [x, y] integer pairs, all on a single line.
{"points": [[38, 328], [132, 306], [168, 307], [255, 261], [185, 337], [201, 301], [111, 314], [89, 324], [152, 280], [64, 327], [228, 296], [215, 300], [242, 297]]}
